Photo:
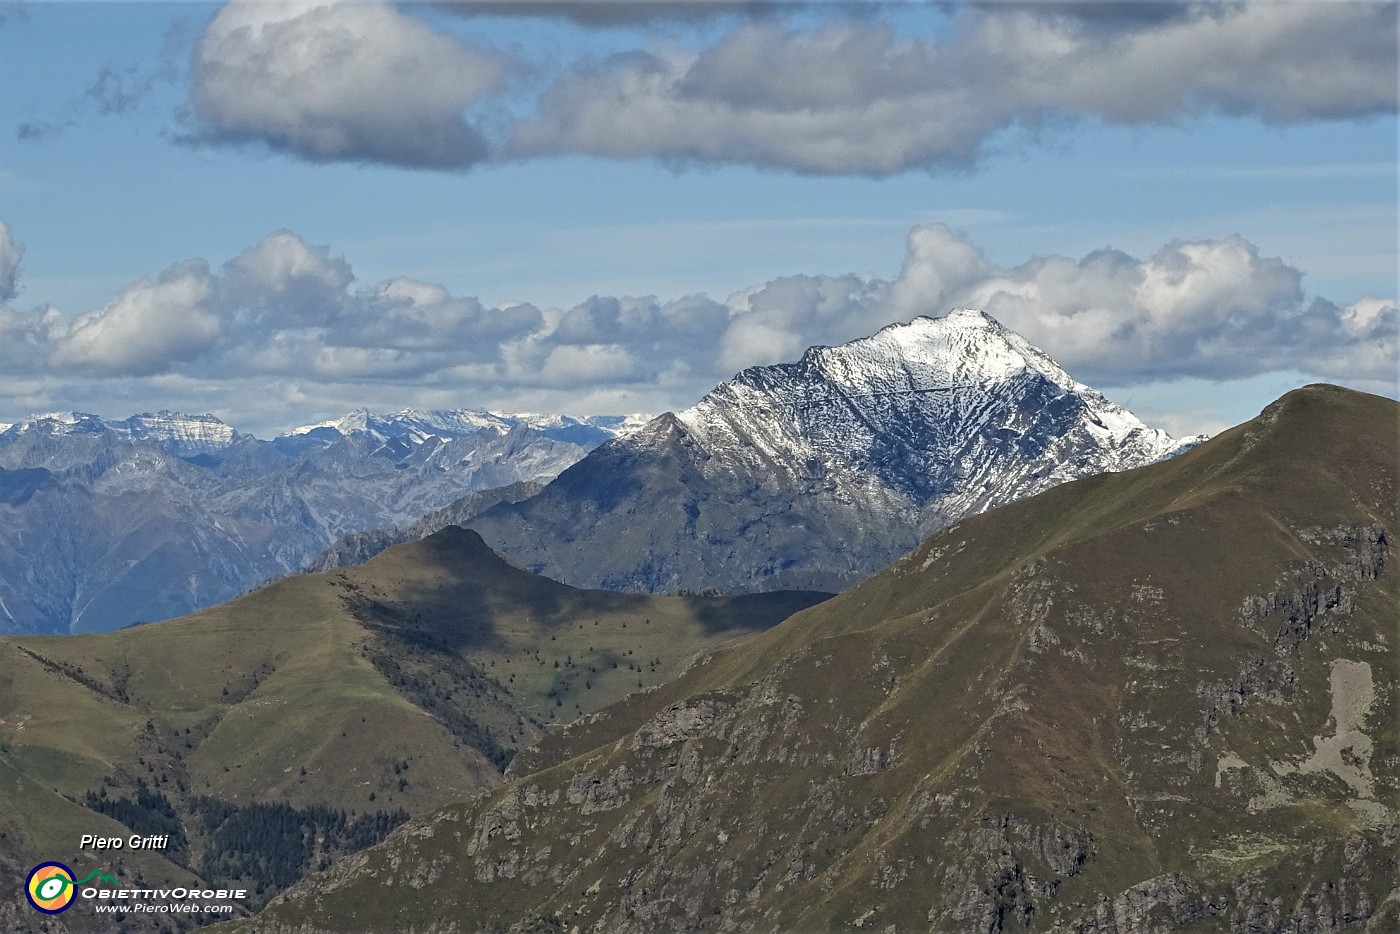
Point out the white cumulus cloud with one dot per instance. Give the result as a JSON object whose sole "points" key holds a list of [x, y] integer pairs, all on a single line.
{"points": [[281, 308], [369, 81], [1214, 308], [151, 325], [329, 80], [777, 322], [409, 315], [282, 319], [285, 282]]}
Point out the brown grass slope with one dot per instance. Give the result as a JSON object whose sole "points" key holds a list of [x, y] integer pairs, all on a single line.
{"points": [[404, 683], [1153, 701]]}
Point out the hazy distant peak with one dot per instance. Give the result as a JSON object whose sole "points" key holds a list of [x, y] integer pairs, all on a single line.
{"points": [[56, 418], [182, 434], [418, 425]]}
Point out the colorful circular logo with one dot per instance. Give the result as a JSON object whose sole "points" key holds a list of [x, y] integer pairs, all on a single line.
{"points": [[50, 888]]}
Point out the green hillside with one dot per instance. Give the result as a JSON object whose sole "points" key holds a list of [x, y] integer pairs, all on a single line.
{"points": [[1153, 701], [379, 691]]}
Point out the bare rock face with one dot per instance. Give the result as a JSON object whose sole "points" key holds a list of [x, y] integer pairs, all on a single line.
{"points": [[1073, 714], [1157, 906], [815, 474], [678, 723]]}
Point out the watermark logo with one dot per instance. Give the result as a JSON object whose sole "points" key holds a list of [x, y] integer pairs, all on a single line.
{"points": [[50, 888]]}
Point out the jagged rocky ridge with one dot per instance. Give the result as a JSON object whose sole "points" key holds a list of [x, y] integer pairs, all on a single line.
{"points": [[812, 475], [1144, 702], [105, 523]]}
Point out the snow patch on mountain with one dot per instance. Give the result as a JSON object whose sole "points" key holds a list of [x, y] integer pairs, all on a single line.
{"points": [[923, 389], [417, 426], [184, 435], [815, 473]]}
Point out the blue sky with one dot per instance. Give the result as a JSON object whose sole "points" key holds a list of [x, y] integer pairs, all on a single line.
{"points": [[1250, 206]]}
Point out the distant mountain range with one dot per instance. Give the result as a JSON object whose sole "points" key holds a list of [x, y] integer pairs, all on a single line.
{"points": [[814, 474], [104, 523], [410, 429], [184, 435], [1152, 701], [805, 476]]}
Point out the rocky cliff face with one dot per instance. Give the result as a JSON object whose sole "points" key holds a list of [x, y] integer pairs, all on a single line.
{"points": [[1142, 702], [817, 473]]}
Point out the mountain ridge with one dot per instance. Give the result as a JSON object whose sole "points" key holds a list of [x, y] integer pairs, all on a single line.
{"points": [[207, 432], [397, 685], [1145, 701], [814, 473]]}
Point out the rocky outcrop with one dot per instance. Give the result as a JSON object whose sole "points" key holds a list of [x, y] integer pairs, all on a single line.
{"points": [[1320, 591]]}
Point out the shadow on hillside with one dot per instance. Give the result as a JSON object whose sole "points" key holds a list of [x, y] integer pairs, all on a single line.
{"points": [[468, 615], [751, 612], [454, 594]]}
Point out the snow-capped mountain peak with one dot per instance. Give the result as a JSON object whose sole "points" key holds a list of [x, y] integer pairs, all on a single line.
{"points": [[814, 473], [53, 420], [183, 435], [926, 387], [962, 347], [416, 426]]}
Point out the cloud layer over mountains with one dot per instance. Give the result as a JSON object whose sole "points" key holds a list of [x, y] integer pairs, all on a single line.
{"points": [[857, 98], [326, 80], [288, 314]]}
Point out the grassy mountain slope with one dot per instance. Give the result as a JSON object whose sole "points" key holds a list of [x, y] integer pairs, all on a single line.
{"points": [[404, 683], [1153, 701]]}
